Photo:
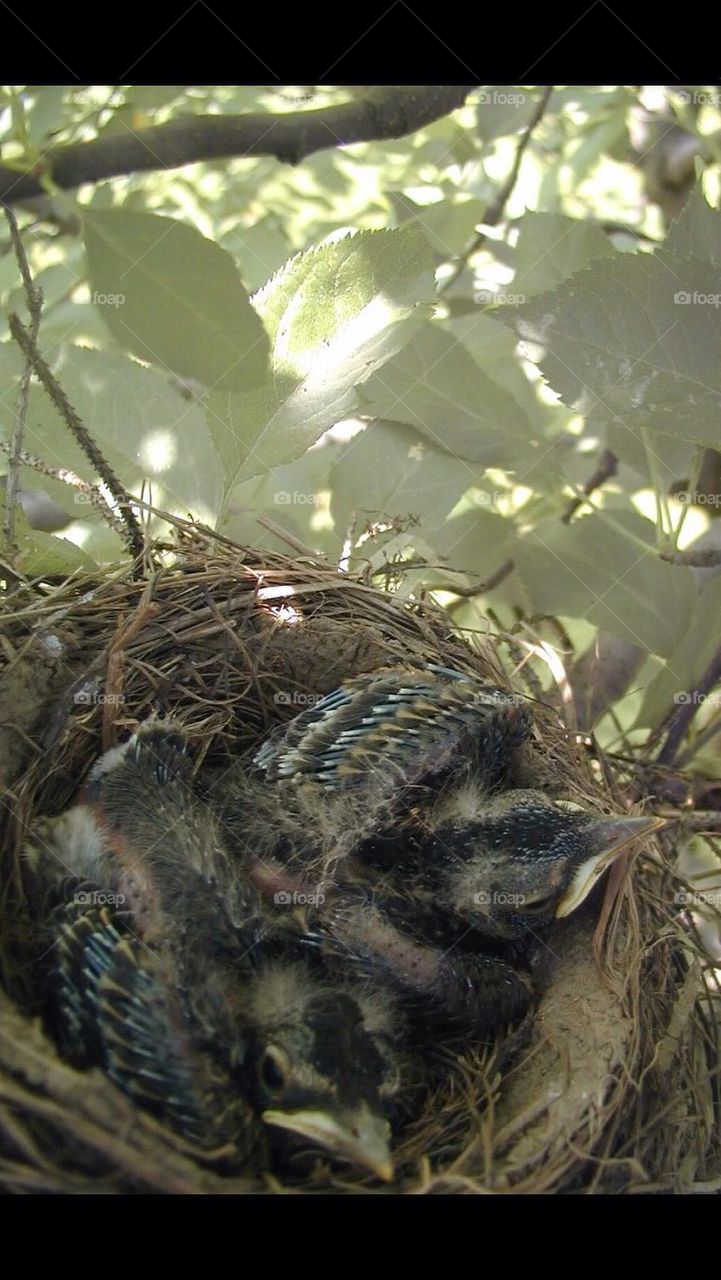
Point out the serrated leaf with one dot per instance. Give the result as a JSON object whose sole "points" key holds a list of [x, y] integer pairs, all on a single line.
{"points": [[174, 298], [589, 570], [635, 341], [435, 385], [334, 315], [551, 247], [696, 231]]}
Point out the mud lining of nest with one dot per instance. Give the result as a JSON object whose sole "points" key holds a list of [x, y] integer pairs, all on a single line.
{"points": [[611, 1086]]}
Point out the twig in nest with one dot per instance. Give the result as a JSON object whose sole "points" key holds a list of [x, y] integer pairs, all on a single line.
{"points": [[133, 535], [34, 297], [494, 580]]}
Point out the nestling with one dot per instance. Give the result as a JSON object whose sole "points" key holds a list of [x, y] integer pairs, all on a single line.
{"points": [[399, 795], [195, 999]]}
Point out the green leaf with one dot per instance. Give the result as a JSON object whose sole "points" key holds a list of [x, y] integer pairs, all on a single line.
{"points": [[696, 231], [504, 109], [42, 555], [259, 250], [589, 570], [688, 661], [390, 470], [295, 498], [334, 315], [636, 341], [551, 247], [435, 385], [145, 428], [448, 224], [174, 298]]}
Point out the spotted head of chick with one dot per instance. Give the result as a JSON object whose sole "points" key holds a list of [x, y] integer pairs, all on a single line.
{"points": [[327, 1063], [512, 863]]}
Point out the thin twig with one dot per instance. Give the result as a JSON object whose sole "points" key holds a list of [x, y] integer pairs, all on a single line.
{"points": [[34, 298], [494, 213], [607, 467], [701, 740], [696, 559], [467, 593], [133, 534], [91, 492], [680, 719]]}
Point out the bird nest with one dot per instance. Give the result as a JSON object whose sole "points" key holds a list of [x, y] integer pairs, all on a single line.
{"points": [[611, 1085]]}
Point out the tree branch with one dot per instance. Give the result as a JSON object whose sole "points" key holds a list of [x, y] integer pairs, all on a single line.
{"points": [[133, 533], [34, 299], [680, 719], [384, 113], [495, 211], [607, 467]]}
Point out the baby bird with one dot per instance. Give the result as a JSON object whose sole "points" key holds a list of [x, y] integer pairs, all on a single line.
{"points": [[169, 972], [393, 732], [426, 758], [399, 795], [505, 865]]}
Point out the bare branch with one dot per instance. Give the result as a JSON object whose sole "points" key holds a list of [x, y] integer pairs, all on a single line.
{"points": [[387, 112], [680, 719], [607, 467], [494, 213], [133, 531], [708, 559], [34, 297]]}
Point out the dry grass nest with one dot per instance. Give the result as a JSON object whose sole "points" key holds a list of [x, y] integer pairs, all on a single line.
{"points": [[611, 1086]]}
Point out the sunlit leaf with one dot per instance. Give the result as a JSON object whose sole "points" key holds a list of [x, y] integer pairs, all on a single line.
{"points": [[145, 428], [635, 341], [334, 315], [174, 298]]}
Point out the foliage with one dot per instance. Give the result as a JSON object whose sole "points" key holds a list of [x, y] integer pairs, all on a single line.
{"points": [[338, 349]]}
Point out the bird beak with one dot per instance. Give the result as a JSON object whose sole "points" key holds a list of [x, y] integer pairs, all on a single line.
{"points": [[358, 1136], [610, 837]]}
